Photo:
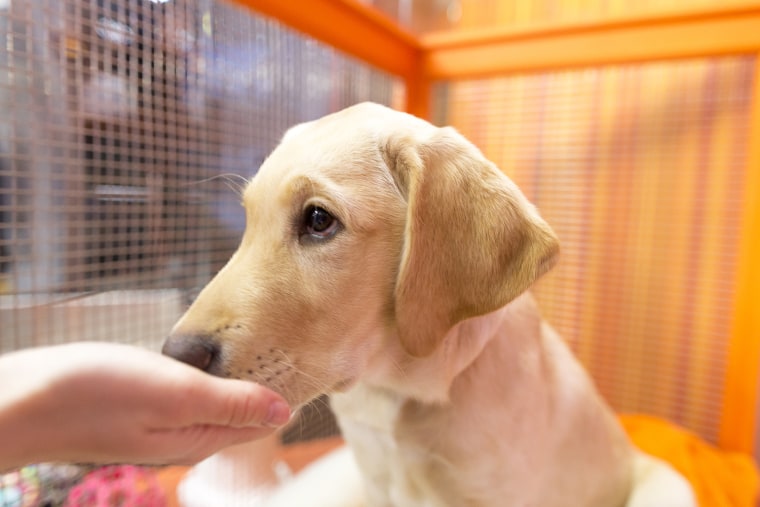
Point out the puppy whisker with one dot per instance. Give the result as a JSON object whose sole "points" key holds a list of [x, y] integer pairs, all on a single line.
{"points": [[395, 364], [234, 182], [314, 382]]}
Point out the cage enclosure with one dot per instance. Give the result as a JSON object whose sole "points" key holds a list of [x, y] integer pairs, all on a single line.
{"points": [[129, 127]]}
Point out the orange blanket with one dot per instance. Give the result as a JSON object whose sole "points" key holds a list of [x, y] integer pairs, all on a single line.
{"points": [[719, 478]]}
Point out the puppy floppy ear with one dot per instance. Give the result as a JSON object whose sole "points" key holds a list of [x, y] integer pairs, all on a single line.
{"points": [[472, 241]]}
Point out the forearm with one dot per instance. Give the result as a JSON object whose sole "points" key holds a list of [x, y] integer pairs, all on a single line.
{"points": [[18, 447], [19, 400], [47, 411]]}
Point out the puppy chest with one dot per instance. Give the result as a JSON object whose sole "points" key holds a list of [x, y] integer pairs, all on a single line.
{"points": [[397, 473]]}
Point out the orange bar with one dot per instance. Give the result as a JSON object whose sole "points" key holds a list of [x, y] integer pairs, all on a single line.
{"points": [[480, 53], [351, 27], [737, 426], [418, 96]]}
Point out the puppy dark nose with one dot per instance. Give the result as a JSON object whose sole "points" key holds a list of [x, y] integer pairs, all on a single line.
{"points": [[198, 351]]}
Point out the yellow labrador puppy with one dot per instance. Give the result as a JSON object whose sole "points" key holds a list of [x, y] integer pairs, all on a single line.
{"points": [[386, 261]]}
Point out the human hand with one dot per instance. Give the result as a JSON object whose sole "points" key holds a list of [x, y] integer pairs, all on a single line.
{"points": [[108, 403]]}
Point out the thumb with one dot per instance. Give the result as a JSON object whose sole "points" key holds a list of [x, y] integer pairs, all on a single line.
{"points": [[238, 404]]}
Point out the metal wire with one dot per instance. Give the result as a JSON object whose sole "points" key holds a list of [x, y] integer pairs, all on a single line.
{"points": [[127, 128]]}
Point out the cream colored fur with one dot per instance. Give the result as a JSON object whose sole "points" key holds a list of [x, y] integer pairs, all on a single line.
{"points": [[449, 388]]}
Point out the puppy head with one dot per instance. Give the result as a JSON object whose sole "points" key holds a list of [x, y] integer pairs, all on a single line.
{"points": [[364, 226]]}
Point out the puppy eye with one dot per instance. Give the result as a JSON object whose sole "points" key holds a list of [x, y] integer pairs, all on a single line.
{"points": [[319, 223]]}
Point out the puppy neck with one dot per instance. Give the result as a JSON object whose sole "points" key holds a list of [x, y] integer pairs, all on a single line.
{"points": [[429, 379]]}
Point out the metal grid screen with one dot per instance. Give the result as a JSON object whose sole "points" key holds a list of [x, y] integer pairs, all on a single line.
{"points": [[639, 169], [124, 125]]}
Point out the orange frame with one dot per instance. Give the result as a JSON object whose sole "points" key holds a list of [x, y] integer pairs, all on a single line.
{"points": [[729, 29], [665, 35]]}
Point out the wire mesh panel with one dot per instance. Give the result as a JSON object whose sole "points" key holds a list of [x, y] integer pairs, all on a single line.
{"points": [[639, 169], [127, 128]]}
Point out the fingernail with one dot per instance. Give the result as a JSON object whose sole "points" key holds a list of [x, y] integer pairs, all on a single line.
{"points": [[279, 414]]}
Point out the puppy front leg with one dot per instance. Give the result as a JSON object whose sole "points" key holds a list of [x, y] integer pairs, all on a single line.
{"points": [[333, 480], [238, 476], [656, 484]]}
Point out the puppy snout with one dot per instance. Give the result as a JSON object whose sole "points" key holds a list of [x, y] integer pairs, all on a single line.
{"points": [[199, 351]]}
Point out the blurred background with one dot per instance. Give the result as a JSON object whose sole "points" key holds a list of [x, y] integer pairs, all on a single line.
{"points": [[128, 127]]}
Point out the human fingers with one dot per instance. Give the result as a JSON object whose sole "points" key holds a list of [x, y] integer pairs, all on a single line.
{"points": [[177, 394], [189, 445], [233, 403]]}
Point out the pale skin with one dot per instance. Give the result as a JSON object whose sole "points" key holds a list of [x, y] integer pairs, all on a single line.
{"points": [[108, 403]]}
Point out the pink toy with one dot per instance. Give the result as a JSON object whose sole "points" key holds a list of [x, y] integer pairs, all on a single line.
{"points": [[117, 486]]}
